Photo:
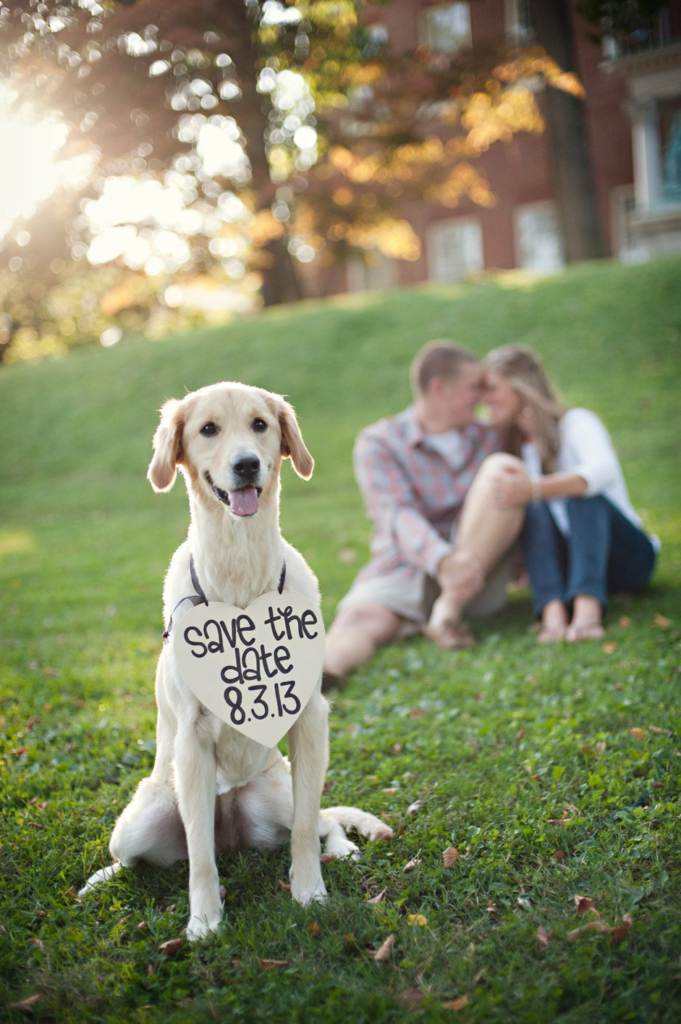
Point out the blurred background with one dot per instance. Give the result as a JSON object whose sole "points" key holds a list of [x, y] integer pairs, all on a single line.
{"points": [[168, 164]]}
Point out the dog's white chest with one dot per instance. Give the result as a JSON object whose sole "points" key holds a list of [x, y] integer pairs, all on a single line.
{"points": [[239, 760]]}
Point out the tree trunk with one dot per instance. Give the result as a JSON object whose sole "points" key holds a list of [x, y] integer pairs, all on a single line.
{"points": [[571, 160], [280, 279]]}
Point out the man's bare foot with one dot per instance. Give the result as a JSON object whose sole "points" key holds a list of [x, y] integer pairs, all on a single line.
{"points": [[586, 620], [450, 635], [554, 623]]}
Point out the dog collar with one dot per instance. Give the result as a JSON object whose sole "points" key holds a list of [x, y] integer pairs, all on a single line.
{"points": [[199, 596]]}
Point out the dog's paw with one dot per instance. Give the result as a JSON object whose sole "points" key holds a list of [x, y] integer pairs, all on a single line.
{"points": [[311, 891], [379, 831], [201, 926], [341, 847]]}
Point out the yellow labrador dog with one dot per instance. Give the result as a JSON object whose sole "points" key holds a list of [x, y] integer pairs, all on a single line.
{"points": [[211, 787]]}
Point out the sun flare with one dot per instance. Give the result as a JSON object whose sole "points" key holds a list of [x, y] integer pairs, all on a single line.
{"points": [[28, 172]]}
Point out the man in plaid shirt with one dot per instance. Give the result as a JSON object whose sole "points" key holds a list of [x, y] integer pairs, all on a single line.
{"points": [[415, 472]]}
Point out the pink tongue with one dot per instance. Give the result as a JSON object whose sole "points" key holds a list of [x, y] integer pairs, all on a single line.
{"points": [[244, 502]]}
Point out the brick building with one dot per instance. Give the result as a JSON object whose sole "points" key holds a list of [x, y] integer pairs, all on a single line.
{"points": [[633, 115]]}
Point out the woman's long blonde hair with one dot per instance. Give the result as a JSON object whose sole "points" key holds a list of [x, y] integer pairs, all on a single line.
{"points": [[523, 370]]}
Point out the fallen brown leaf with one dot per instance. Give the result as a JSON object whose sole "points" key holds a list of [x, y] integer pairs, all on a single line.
{"points": [[284, 886], [328, 786], [26, 1003], [450, 856], [456, 1004], [397, 748], [658, 731], [559, 821], [326, 858], [412, 997], [571, 807], [584, 903], [390, 791], [519, 735], [170, 947], [379, 898], [417, 712], [491, 908], [273, 965], [625, 622], [619, 932], [610, 646], [558, 855], [314, 929], [411, 864], [543, 937], [384, 953], [637, 732], [36, 942], [600, 747], [592, 926], [662, 621]]}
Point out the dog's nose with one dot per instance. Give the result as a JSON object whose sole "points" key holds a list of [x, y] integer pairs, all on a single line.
{"points": [[246, 466]]}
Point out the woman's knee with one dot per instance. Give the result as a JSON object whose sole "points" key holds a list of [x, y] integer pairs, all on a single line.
{"points": [[500, 461]]}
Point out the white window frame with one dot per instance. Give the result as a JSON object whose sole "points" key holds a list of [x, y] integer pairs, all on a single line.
{"points": [[424, 33], [539, 207], [434, 274]]}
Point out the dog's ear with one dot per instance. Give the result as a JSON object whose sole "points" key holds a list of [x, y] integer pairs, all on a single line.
{"points": [[167, 447], [292, 441]]}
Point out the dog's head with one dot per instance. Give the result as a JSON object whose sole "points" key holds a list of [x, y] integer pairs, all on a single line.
{"points": [[229, 440]]}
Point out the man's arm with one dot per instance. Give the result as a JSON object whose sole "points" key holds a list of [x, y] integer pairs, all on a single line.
{"points": [[391, 504]]}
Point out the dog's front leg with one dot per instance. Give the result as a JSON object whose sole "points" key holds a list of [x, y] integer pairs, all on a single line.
{"points": [[308, 741], [195, 782]]}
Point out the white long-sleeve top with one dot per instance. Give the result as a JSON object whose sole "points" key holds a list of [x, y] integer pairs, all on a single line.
{"points": [[586, 449]]}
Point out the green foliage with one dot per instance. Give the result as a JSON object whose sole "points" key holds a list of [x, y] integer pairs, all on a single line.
{"points": [[513, 735]]}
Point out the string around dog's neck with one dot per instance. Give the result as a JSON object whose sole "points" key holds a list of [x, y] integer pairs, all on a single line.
{"points": [[200, 597]]}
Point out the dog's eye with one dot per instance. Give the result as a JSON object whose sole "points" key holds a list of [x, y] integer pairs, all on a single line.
{"points": [[259, 426], [209, 429]]}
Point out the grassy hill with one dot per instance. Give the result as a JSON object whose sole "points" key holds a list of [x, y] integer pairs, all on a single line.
{"points": [[510, 732]]}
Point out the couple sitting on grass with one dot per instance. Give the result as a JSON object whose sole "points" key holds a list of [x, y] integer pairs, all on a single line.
{"points": [[449, 498]]}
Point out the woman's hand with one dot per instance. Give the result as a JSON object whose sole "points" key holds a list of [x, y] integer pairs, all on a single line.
{"points": [[511, 486]]}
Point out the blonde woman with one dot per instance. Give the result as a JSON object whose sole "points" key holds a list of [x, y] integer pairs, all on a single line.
{"points": [[581, 537]]}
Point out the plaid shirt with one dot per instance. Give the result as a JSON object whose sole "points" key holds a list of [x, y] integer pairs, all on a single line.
{"points": [[412, 494]]}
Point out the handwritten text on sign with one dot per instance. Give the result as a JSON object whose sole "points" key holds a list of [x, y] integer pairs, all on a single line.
{"points": [[255, 668]]}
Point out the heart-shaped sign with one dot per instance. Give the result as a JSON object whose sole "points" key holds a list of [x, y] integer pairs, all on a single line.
{"points": [[256, 667]]}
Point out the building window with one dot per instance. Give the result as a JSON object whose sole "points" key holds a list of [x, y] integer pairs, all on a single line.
{"points": [[372, 272], [446, 28], [539, 243], [518, 21], [455, 249]]}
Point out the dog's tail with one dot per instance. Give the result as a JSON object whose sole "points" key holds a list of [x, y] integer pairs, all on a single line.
{"points": [[103, 875], [366, 824]]}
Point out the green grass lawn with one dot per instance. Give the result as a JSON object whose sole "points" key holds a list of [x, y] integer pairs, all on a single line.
{"points": [[506, 738]]}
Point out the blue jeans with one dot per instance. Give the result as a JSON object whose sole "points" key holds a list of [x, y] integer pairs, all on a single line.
{"points": [[605, 552]]}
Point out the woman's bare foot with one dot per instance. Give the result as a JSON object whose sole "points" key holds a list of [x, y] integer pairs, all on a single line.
{"points": [[554, 623], [586, 620]]}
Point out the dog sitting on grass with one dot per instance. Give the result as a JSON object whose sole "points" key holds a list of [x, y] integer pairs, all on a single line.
{"points": [[213, 788]]}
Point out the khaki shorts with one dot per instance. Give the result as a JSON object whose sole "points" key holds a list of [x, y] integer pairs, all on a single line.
{"points": [[412, 596]]}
